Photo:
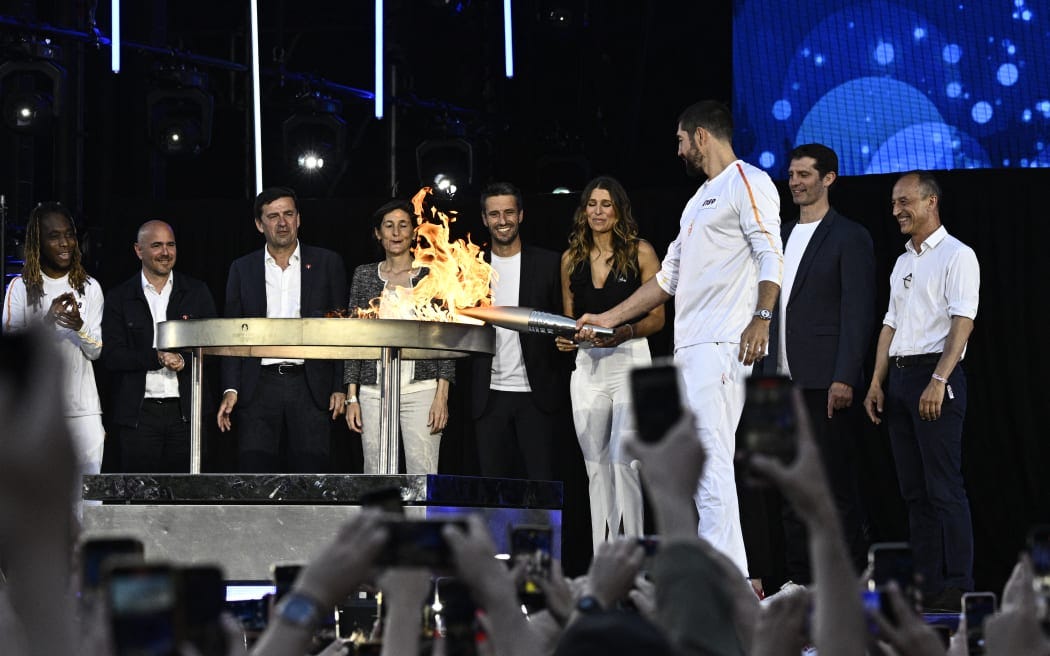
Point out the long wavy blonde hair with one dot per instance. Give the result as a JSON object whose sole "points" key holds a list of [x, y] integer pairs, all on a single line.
{"points": [[624, 257]]}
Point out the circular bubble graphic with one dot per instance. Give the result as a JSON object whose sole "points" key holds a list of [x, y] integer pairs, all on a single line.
{"points": [[877, 108], [933, 145]]}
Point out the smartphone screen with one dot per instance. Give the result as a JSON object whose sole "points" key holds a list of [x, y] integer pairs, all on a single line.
{"points": [[531, 546], [143, 608], [768, 424], [976, 607], [95, 552], [656, 399], [891, 561], [203, 594], [418, 543]]}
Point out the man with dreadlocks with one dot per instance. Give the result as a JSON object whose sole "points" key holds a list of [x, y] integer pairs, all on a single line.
{"points": [[56, 291]]}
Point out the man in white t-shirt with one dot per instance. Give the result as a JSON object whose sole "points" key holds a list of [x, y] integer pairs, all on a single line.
{"points": [[520, 395], [821, 332], [724, 272]]}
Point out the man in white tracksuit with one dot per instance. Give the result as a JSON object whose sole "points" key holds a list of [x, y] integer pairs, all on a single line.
{"points": [[724, 271]]}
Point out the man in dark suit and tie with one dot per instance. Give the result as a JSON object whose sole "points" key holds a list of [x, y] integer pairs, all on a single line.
{"points": [[519, 395], [286, 279], [821, 332]]}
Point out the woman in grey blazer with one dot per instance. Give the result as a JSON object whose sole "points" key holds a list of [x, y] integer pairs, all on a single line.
{"points": [[384, 289]]}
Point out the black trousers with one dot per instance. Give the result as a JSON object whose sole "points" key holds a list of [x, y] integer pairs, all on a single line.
{"points": [[837, 439], [282, 405], [515, 438], [928, 456], [161, 441]]}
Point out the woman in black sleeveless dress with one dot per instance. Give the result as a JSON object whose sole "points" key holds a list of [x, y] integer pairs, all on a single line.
{"points": [[605, 263]]}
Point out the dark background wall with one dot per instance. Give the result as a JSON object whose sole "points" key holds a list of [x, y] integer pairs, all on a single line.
{"points": [[604, 86]]}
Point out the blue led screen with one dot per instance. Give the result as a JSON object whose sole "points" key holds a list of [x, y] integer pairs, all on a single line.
{"points": [[893, 86]]}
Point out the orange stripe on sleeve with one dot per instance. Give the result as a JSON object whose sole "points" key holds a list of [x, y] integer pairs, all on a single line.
{"points": [[758, 217]]}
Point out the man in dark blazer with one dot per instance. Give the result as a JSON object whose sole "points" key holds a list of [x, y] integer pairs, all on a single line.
{"points": [[151, 388], [276, 396], [821, 332], [520, 396]]}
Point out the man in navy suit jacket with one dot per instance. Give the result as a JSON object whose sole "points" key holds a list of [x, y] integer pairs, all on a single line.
{"points": [[151, 388], [821, 332], [519, 395], [286, 279]]}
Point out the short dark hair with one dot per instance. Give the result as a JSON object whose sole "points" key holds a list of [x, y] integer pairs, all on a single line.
{"points": [[826, 159], [501, 189], [710, 115], [390, 206], [270, 194], [927, 183]]}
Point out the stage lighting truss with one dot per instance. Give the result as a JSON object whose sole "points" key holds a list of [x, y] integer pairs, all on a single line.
{"points": [[446, 165], [180, 112], [32, 93], [315, 134]]}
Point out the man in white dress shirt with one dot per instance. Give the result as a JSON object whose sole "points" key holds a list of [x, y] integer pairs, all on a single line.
{"points": [[279, 398], [934, 290]]}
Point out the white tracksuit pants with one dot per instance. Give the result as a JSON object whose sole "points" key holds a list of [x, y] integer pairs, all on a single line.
{"points": [[602, 413], [714, 390]]}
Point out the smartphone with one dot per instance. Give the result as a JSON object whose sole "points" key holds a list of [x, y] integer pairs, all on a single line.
{"points": [[457, 617], [283, 575], [656, 399], [95, 552], [143, 609], [202, 596], [251, 613], [976, 607], [768, 424], [891, 561], [418, 543], [531, 546]]}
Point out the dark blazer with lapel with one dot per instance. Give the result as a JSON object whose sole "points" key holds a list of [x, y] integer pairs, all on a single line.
{"points": [[831, 309], [322, 289], [127, 340], [547, 368]]}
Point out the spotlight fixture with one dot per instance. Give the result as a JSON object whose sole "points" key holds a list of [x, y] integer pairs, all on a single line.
{"points": [[32, 95], [315, 134], [445, 185], [180, 112], [447, 164]]}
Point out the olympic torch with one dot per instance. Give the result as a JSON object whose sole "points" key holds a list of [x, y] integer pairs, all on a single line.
{"points": [[529, 320]]}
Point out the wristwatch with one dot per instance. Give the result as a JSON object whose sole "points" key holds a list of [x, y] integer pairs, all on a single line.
{"points": [[764, 314], [349, 400], [589, 605], [299, 610]]}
